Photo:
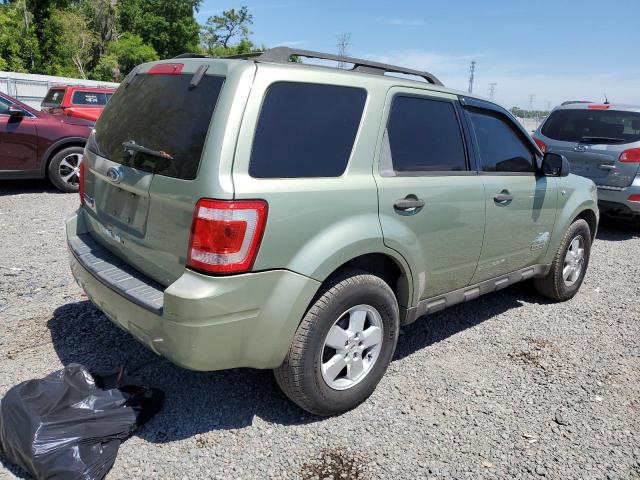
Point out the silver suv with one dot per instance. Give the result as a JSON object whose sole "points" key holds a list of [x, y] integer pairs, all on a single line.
{"points": [[602, 142]]}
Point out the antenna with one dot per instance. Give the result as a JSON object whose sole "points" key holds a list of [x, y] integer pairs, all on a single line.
{"points": [[606, 100], [472, 71]]}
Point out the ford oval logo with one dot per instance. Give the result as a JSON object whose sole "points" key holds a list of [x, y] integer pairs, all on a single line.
{"points": [[115, 174]]}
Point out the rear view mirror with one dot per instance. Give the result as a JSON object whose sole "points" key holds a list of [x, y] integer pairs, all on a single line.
{"points": [[15, 112], [555, 165]]}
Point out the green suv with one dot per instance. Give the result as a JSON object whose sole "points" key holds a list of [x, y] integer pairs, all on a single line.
{"points": [[258, 212]]}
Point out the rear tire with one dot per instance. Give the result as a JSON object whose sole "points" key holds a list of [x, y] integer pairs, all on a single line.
{"points": [[343, 345], [569, 265], [64, 169]]}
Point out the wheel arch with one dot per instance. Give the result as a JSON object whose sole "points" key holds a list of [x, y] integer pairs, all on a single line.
{"points": [[56, 147], [591, 218]]}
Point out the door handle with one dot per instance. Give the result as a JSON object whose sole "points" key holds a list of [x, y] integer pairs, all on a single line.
{"points": [[409, 203], [503, 198]]}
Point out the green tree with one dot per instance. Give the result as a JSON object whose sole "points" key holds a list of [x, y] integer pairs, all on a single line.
{"points": [[221, 30], [19, 50], [69, 43], [122, 56], [167, 25]]}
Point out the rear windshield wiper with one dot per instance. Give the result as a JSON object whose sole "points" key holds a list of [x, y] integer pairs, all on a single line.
{"points": [[132, 147], [602, 140]]}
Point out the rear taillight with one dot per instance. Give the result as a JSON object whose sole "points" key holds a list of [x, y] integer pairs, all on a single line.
{"points": [[541, 145], [630, 156], [634, 198], [81, 182], [226, 235]]}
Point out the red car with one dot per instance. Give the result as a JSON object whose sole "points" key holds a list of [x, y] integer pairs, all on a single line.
{"points": [[36, 144], [75, 101]]}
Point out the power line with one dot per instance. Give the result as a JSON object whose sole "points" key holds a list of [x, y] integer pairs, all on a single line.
{"points": [[472, 71]]}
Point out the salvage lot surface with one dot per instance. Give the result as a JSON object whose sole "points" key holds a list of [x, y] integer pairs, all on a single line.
{"points": [[506, 386]]}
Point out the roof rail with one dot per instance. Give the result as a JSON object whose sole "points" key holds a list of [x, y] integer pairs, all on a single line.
{"points": [[192, 55], [284, 54], [569, 102]]}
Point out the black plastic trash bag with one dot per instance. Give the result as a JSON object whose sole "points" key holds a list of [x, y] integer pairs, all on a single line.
{"points": [[70, 424]]}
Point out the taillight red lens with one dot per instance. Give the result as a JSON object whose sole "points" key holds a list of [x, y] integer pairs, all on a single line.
{"points": [[166, 69], [634, 198], [541, 145], [81, 182], [630, 156], [226, 235]]}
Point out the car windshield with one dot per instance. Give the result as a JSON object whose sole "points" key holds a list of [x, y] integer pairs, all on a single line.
{"points": [[158, 123], [593, 126]]}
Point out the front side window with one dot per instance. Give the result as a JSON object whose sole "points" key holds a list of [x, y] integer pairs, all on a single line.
{"points": [[306, 130], [4, 106], [89, 98], [502, 149], [424, 136]]}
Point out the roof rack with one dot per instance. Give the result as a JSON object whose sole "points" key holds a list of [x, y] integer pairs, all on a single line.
{"points": [[284, 54], [569, 102]]}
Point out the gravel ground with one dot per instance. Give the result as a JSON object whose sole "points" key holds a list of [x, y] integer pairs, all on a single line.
{"points": [[508, 386]]}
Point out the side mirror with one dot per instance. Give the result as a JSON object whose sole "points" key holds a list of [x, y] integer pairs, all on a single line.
{"points": [[15, 112], [555, 165]]}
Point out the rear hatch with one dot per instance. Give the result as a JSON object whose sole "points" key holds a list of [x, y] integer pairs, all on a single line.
{"points": [[53, 100], [142, 165], [593, 139]]}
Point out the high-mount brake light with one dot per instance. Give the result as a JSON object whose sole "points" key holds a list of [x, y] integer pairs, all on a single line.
{"points": [[596, 106], [226, 235], [541, 145], [630, 156], [166, 69]]}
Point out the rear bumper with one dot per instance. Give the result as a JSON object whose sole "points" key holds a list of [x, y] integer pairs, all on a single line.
{"points": [[198, 322], [616, 201]]}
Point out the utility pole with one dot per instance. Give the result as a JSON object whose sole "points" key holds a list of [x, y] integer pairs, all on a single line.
{"points": [[532, 97], [472, 71], [492, 90], [344, 42]]}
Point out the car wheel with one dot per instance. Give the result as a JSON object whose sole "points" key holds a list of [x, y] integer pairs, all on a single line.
{"points": [[343, 345], [64, 169], [569, 265]]}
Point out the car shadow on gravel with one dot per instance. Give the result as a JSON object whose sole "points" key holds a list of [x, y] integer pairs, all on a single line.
{"points": [[195, 402], [16, 187], [436, 327], [615, 230]]}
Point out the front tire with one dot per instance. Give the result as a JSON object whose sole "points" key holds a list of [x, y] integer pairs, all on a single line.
{"points": [[343, 345], [64, 169], [569, 265]]}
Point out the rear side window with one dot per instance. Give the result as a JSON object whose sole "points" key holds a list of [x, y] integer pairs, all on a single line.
{"points": [[306, 130], [4, 106], [502, 149], [89, 98], [161, 113], [424, 136], [54, 97], [593, 126]]}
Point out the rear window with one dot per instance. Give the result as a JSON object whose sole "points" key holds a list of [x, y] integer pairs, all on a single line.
{"points": [[54, 97], [160, 113], [306, 130], [593, 126], [89, 98]]}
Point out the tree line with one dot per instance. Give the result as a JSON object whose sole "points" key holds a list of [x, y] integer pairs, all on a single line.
{"points": [[105, 39]]}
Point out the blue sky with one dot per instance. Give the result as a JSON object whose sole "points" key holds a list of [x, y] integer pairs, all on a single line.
{"points": [[557, 50]]}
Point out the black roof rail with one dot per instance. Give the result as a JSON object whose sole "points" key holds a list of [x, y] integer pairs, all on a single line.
{"points": [[192, 55], [569, 102], [284, 54]]}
